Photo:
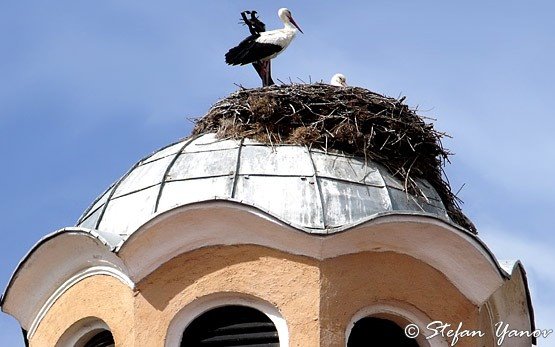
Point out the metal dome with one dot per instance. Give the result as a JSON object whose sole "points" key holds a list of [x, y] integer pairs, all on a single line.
{"points": [[309, 189]]}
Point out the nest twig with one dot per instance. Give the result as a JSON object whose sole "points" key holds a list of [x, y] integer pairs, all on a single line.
{"points": [[353, 120]]}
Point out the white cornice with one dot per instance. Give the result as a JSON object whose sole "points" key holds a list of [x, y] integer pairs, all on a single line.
{"points": [[51, 267], [66, 257], [461, 257]]}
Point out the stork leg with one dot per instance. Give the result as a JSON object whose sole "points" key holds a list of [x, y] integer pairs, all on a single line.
{"points": [[263, 68], [259, 67], [269, 80]]}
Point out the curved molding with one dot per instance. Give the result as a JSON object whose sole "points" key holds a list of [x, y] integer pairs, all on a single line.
{"points": [[51, 266], [401, 314], [108, 240], [461, 257], [203, 304], [95, 270]]}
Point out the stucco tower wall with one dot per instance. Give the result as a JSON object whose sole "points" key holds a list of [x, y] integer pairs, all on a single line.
{"points": [[316, 298]]}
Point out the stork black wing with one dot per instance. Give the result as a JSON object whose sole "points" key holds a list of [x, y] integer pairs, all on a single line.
{"points": [[249, 51]]}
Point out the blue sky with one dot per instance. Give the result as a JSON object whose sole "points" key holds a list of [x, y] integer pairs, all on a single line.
{"points": [[88, 88]]}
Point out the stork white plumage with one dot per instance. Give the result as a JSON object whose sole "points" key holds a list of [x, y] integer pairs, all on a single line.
{"points": [[339, 80], [264, 46]]}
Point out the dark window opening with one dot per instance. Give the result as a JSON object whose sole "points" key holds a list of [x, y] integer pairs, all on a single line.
{"points": [[231, 326], [102, 339], [371, 331]]}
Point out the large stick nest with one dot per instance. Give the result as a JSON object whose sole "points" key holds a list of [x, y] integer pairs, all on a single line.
{"points": [[352, 120]]}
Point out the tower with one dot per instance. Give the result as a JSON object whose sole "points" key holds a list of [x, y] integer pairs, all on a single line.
{"points": [[229, 235]]}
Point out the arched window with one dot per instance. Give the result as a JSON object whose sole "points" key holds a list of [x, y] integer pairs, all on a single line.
{"points": [[231, 326], [101, 339], [373, 331], [87, 332]]}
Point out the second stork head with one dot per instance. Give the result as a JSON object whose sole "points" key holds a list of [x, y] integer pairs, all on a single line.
{"points": [[339, 80]]}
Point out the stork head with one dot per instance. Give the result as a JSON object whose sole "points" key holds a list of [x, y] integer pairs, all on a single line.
{"points": [[339, 80], [286, 17]]}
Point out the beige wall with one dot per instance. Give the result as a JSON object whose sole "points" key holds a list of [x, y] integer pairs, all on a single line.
{"points": [[288, 282], [316, 298], [353, 282], [98, 296]]}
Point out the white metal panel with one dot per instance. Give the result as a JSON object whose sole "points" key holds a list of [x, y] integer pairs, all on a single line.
{"points": [[402, 201], [429, 192], [434, 207], [143, 176], [184, 192], [96, 206], [345, 168], [123, 215], [204, 164], [391, 181], [292, 199], [168, 151], [209, 142], [279, 160], [347, 203], [90, 221]]}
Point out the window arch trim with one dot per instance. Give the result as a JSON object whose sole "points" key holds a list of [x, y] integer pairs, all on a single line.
{"points": [[80, 332], [401, 314], [191, 311]]}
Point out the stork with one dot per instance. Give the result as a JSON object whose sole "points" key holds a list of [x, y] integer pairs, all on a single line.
{"points": [[339, 80], [264, 46]]}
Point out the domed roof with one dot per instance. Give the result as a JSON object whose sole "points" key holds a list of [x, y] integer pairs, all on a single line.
{"points": [[309, 189]]}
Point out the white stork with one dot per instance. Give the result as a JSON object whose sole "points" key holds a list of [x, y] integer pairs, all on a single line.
{"points": [[264, 46], [339, 80]]}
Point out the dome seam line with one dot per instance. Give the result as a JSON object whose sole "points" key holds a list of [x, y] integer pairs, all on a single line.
{"points": [[318, 187], [112, 193], [167, 171], [237, 167], [386, 187]]}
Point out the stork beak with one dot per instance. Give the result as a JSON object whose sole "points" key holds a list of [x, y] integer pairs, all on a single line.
{"points": [[295, 24]]}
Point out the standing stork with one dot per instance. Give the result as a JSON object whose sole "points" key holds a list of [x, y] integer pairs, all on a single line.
{"points": [[262, 47]]}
